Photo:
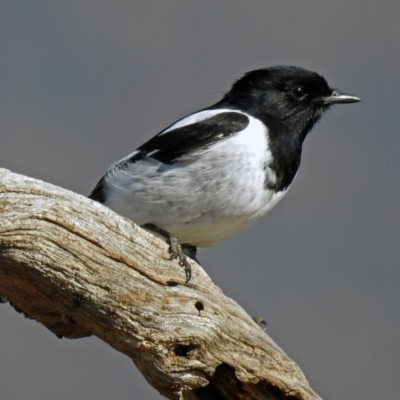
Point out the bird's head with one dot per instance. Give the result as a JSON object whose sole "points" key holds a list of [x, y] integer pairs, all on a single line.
{"points": [[284, 95]]}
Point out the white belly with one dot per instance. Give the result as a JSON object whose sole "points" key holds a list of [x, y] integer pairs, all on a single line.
{"points": [[203, 198]]}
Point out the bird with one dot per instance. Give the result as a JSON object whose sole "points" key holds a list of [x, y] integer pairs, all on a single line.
{"points": [[215, 172]]}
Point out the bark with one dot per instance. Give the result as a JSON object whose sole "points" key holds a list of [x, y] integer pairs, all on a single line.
{"points": [[80, 270]]}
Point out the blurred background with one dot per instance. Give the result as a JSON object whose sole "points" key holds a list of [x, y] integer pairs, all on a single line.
{"points": [[83, 83]]}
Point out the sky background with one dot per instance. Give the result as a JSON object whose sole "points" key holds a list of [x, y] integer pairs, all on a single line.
{"points": [[83, 83]]}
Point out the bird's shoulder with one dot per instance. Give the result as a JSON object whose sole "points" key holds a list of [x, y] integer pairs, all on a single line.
{"points": [[189, 134], [193, 132]]}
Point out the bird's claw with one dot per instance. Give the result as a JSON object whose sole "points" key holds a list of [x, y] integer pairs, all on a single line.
{"points": [[175, 249]]}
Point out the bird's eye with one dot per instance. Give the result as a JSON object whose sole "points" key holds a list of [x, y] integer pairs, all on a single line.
{"points": [[299, 92]]}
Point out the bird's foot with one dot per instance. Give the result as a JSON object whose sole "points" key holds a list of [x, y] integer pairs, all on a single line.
{"points": [[176, 250]]}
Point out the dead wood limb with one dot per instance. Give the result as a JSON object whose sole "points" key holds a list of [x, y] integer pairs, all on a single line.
{"points": [[80, 270]]}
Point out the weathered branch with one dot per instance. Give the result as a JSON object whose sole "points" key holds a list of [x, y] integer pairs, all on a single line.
{"points": [[80, 269]]}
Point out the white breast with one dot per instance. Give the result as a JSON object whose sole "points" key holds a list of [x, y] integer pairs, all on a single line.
{"points": [[208, 195]]}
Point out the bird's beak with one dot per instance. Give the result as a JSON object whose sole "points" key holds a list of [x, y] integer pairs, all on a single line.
{"points": [[340, 98]]}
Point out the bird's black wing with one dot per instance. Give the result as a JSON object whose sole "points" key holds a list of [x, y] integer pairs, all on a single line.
{"points": [[167, 147], [99, 192]]}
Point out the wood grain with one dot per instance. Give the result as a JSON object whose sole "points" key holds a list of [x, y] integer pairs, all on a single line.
{"points": [[80, 270]]}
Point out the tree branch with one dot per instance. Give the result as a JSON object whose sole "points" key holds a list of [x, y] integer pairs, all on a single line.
{"points": [[80, 270]]}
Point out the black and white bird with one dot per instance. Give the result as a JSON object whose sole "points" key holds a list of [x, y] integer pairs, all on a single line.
{"points": [[215, 172]]}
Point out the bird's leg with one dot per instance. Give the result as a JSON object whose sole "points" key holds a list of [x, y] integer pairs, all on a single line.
{"points": [[175, 249]]}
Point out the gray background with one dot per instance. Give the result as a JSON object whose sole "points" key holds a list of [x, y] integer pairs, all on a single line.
{"points": [[83, 83]]}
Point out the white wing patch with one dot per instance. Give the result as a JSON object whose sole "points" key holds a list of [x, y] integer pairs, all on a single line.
{"points": [[197, 117], [128, 157]]}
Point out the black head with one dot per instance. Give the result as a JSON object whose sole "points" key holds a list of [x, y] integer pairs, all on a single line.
{"points": [[289, 100], [292, 98]]}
